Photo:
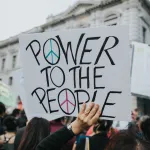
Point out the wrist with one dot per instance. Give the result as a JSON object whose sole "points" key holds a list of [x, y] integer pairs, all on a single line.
{"points": [[76, 128]]}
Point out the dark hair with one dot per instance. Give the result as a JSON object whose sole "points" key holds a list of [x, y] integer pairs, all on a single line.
{"points": [[21, 122], [23, 112], [15, 112], [145, 127], [144, 145], [10, 123], [59, 119], [103, 125], [2, 108], [36, 130], [124, 140]]}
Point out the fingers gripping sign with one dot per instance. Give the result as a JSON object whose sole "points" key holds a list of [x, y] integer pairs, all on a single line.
{"points": [[89, 115], [86, 118]]}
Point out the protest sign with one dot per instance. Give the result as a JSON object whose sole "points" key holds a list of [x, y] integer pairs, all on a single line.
{"points": [[6, 95], [18, 87], [64, 69], [141, 69]]}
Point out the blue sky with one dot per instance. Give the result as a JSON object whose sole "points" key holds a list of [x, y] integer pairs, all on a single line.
{"points": [[20, 15]]}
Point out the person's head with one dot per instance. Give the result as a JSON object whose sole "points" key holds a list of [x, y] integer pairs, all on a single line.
{"points": [[2, 109], [16, 113], [59, 120], [102, 126], [126, 141], [134, 114], [21, 122], [10, 124], [36, 130], [144, 126]]}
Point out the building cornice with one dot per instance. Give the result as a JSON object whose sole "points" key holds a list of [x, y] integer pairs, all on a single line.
{"points": [[9, 41], [15, 39], [105, 4], [62, 18], [101, 5]]}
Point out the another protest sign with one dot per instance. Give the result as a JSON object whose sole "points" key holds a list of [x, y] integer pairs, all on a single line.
{"points": [[6, 95], [140, 84], [64, 69]]}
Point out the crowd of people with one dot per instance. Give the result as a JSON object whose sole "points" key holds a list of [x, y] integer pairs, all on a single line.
{"points": [[85, 132]]}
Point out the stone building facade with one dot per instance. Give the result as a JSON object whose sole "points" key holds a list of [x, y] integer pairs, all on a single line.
{"points": [[83, 14]]}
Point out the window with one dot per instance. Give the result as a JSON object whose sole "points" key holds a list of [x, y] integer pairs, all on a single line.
{"points": [[113, 24], [3, 64], [144, 34], [111, 20], [14, 61], [10, 80]]}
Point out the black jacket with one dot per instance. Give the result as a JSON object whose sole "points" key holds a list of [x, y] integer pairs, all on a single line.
{"points": [[56, 140], [2, 129], [96, 142], [1, 126]]}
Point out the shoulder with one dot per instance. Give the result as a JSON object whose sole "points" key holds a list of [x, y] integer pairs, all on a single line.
{"points": [[99, 137], [20, 131], [12, 140], [1, 137]]}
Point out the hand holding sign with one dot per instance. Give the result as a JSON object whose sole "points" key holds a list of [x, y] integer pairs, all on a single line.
{"points": [[86, 118]]}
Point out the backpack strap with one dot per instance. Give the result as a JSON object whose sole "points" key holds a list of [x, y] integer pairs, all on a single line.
{"points": [[87, 143], [6, 140]]}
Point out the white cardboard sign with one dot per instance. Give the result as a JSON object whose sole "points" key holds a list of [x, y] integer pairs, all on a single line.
{"points": [[64, 69], [141, 70]]}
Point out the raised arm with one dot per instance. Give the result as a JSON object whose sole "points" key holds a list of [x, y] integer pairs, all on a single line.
{"points": [[86, 118]]}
